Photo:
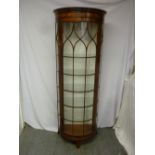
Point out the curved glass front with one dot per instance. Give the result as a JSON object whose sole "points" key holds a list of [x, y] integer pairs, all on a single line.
{"points": [[79, 61]]}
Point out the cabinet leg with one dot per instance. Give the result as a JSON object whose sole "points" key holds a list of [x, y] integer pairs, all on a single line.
{"points": [[77, 144]]}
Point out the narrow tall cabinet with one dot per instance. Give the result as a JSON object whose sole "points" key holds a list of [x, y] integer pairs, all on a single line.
{"points": [[78, 46]]}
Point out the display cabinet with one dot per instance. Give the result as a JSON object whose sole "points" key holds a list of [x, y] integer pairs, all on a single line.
{"points": [[78, 44]]}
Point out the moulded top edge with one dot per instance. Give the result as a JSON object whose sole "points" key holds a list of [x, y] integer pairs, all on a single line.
{"points": [[79, 9]]}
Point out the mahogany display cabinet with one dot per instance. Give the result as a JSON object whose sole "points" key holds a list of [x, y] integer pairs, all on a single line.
{"points": [[78, 44]]}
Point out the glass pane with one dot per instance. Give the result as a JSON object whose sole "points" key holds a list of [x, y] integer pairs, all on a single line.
{"points": [[78, 99], [89, 98], [56, 32], [91, 65], [80, 28], [68, 83], [92, 29], [79, 83], [57, 57], [67, 27], [68, 49], [68, 98], [58, 106], [68, 65], [68, 113], [57, 78], [88, 113], [90, 82], [80, 50], [58, 94], [78, 114], [79, 66], [73, 38], [91, 50], [86, 38]]}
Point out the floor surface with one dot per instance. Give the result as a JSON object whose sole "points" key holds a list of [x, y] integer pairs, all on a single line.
{"points": [[40, 142]]}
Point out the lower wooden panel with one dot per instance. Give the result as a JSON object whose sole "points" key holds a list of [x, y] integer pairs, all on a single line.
{"points": [[77, 129], [76, 134]]}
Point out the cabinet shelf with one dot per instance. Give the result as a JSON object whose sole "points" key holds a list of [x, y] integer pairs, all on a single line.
{"points": [[79, 57], [91, 90], [86, 106], [91, 74], [85, 121]]}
